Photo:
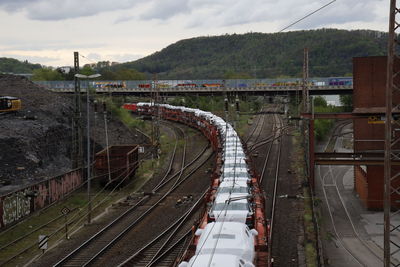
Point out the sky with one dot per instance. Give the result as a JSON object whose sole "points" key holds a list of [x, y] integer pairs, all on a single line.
{"points": [[49, 31]]}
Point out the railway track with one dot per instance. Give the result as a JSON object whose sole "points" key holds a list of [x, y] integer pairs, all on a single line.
{"points": [[258, 126], [161, 197], [274, 196], [268, 164], [343, 226], [164, 248]]}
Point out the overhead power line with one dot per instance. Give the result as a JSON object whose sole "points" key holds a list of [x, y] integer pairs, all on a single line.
{"points": [[315, 11]]}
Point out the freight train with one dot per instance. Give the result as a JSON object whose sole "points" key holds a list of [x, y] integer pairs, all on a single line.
{"points": [[233, 230], [335, 81], [193, 84]]}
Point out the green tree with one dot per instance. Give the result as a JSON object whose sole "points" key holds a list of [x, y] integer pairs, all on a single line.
{"points": [[47, 74], [108, 75], [10, 65], [319, 101], [265, 55], [237, 75], [129, 74], [347, 102], [87, 70]]}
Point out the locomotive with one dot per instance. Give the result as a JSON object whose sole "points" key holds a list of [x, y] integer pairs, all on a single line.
{"points": [[233, 230]]}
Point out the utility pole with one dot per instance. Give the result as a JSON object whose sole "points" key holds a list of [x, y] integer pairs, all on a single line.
{"points": [[305, 109], [226, 102], [156, 124], [88, 163], [306, 101], [77, 147], [392, 138]]}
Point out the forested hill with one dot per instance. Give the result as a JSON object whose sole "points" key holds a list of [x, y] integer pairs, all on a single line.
{"points": [[263, 55], [8, 65]]}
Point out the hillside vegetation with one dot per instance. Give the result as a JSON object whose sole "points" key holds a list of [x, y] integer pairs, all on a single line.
{"points": [[251, 55], [11, 65], [262, 55]]}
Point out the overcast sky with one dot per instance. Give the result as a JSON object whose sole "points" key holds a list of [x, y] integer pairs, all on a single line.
{"points": [[49, 31]]}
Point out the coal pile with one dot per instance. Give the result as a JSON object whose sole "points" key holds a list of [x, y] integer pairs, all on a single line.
{"points": [[35, 142]]}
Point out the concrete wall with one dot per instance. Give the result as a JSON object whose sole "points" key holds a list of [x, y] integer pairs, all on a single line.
{"points": [[21, 203]]}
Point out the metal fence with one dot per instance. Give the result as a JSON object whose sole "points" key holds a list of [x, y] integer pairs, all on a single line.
{"points": [[233, 83]]}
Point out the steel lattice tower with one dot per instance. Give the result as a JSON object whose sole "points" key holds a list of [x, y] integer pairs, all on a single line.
{"points": [[77, 149], [306, 100], [392, 139]]}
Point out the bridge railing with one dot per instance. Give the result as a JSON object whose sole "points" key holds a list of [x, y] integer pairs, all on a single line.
{"points": [[200, 85]]}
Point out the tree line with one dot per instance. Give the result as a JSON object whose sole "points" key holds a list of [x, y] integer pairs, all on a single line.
{"points": [[250, 55]]}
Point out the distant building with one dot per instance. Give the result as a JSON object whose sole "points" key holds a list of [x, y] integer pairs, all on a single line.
{"points": [[65, 69]]}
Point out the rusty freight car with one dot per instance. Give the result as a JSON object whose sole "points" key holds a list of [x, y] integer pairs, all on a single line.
{"points": [[118, 165]]}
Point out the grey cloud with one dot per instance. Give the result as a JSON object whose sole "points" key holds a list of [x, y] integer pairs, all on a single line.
{"points": [[14, 5], [164, 10], [12, 45], [33, 59], [343, 12], [227, 13], [59, 10], [123, 19], [202, 13], [94, 56]]}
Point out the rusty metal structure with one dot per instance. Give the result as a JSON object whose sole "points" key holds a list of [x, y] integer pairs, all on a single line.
{"points": [[306, 100], [116, 163], [306, 125], [77, 149], [392, 137], [155, 98]]}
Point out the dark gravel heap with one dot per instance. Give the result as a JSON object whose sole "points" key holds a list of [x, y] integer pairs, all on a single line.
{"points": [[35, 143]]}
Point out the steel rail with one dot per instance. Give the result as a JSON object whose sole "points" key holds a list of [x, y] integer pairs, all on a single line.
{"points": [[112, 242], [359, 261], [185, 167], [267, 140], [335, 136], [99, 233], [351, 221], [172, 157], [274, 197], [174, 245], [35, 230], [267, 157], [178, 223], [257, 125], [130, 226], [183, 158]]}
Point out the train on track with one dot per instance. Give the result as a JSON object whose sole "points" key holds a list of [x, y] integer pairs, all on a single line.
{"points": [[233, 230], [193, 84], [336, 81]]}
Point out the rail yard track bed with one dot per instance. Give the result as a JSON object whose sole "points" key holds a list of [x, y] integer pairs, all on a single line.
{"points": [[161, 216], [266, 135]]}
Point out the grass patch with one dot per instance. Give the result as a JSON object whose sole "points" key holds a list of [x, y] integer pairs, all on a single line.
{"points": [[243, 124], [310, 238], [311, 255], [77, 203]]}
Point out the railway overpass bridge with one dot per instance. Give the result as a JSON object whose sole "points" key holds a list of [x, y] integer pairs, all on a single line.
{"points": [[211, 90]]}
